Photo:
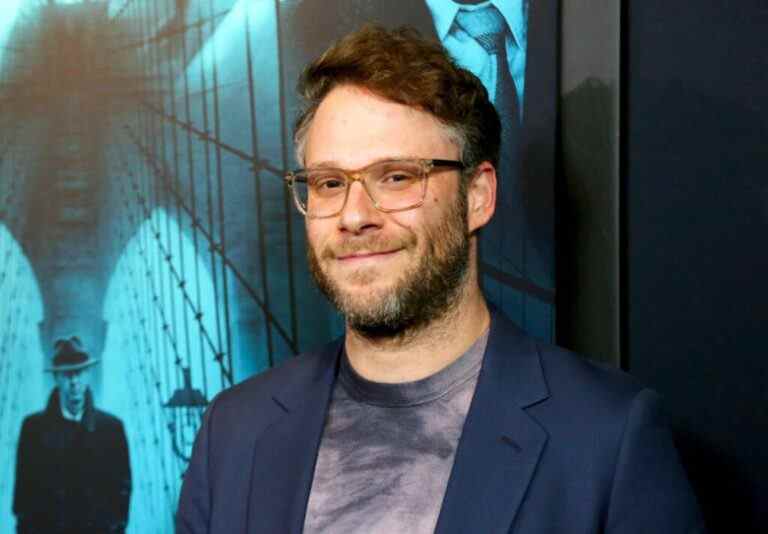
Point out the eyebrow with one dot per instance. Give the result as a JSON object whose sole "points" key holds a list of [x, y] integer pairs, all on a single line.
{"points": [[335, 165]]}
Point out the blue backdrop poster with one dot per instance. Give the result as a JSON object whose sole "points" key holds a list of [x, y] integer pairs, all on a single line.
{"points": [[142, 210]]}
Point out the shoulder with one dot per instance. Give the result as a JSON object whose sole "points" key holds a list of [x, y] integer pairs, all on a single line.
{"points": [[31, 426], [569, 384], [608, 441], [106, 420], [569, 374], [36, 420], [593, 407], [580, 405], [33, 419], [287, 379]]}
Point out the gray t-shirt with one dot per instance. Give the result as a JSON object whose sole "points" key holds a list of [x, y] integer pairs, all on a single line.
{"points": [[387, 450]]}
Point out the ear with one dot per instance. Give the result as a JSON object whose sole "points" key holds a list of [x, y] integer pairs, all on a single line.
{"points": [[481, 196]]}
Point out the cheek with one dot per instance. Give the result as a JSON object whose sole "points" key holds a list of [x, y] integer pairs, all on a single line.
{"points": [[439, 201], [320, 237], [435, 210], [406, 225], [314, 233]]}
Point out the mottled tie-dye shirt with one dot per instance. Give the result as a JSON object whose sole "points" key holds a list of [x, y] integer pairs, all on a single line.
{"points": [[387, 450]]}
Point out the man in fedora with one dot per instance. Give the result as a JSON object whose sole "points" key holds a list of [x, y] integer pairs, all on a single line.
{"points": [[72, 468]]}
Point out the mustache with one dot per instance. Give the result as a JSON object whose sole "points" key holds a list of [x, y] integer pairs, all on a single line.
{"points": [[369, 244]]}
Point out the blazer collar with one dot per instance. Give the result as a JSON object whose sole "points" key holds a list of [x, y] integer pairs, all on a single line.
{"points": [[501, 444], [284, 457]]}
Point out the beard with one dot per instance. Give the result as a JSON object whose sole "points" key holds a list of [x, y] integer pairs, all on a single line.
{"points": [[423, 293]]}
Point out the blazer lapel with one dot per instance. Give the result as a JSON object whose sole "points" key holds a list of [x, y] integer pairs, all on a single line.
{"points": [[501, 444], [284, 456]]}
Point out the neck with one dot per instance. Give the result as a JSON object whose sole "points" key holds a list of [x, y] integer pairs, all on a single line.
{"points": [[73, 409], [418, 354]]}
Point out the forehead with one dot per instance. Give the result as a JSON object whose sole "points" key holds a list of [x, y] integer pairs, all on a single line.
{"points": [[353, 127]]}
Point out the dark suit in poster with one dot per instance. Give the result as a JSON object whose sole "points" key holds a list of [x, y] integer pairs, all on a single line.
{"points": [[72, 477]]}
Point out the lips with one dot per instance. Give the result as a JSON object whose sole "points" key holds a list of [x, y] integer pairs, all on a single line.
{"points": [[368, 248], [364, 254]]}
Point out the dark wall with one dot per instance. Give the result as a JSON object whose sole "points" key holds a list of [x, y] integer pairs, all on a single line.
{"points": [[696, 239]]}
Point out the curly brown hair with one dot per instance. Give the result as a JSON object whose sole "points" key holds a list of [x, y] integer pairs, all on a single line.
{"points": [[402, 66]]}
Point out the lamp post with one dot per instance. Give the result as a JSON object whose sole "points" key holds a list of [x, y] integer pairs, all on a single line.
{"points": [[186, 405]]}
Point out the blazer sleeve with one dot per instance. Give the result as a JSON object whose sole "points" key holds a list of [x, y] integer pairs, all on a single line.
{"points": [[194, 512], [650, 490]]}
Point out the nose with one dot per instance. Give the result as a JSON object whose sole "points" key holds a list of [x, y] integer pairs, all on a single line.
{"points": [[359, 214]]}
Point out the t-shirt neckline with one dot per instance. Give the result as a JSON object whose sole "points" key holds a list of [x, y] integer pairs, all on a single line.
{"points": [[428, 389]]}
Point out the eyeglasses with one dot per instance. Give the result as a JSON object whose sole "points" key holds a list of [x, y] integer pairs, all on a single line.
{"points": [[392, 185]]}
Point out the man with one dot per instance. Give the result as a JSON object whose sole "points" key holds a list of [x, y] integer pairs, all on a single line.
{"points": [[72, 469], [434, 412], [511, 46]]}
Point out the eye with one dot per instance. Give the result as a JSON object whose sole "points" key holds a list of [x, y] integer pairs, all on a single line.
{"points": [[329, 183], [398, 179], [326, 183]]}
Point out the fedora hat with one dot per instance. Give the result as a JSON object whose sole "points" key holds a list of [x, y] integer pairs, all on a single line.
{"points": [[69, 355]]}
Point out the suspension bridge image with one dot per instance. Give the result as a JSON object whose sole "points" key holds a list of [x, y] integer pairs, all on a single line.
{"points": [[143, 210]]}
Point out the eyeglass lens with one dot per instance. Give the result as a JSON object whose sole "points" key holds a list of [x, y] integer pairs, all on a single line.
{"points": [[392, 185]]}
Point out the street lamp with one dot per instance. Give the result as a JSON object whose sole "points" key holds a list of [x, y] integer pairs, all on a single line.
{"points": [[186, 405]]}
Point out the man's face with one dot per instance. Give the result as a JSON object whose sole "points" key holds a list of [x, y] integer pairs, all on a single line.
{"points": [[386, 272], [72, 387]]}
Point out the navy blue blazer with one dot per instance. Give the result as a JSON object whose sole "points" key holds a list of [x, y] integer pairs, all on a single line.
{"points": [[551, 444]]}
